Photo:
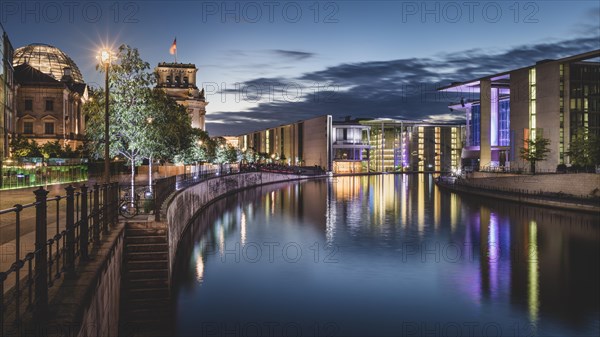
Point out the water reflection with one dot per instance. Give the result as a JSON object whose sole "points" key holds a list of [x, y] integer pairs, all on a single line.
{"points": [[408, 256]]}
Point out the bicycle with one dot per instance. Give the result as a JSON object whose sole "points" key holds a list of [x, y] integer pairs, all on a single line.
{"points": [[129, 208]]}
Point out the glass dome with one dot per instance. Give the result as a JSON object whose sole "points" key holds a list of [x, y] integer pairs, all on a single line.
{"points": [[47, 59]]}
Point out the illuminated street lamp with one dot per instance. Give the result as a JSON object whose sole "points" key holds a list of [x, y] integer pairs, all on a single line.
{"points": [[105, 59]]}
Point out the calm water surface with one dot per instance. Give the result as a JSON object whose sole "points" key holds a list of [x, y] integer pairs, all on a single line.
{"points": [[386, 255]]}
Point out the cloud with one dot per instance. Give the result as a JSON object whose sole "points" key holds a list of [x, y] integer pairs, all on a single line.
{"points": [[293, 54], [394, 88]]}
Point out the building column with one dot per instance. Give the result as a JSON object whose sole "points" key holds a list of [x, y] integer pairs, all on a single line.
{"points": [[485, 156]]}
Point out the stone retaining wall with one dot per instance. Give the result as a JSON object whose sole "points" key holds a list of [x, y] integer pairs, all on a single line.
{"points": [[184, 205], [101, 317], [576, 184]]}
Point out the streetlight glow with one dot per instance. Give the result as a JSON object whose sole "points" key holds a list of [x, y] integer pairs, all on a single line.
{"points": [[105, 56]]}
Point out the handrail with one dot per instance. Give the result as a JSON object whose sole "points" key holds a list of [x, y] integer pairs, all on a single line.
{"points": [[84, 215]]}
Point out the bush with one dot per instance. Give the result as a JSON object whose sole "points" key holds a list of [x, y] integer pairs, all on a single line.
{"points": [[561, 168]]}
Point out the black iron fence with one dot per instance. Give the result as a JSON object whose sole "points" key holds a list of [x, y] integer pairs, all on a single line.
{"points": [[164, 187], [64, 227]]}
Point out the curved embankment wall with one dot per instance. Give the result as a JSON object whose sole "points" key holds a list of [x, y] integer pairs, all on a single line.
{"points": [[184, 206], [577, 192], [576, 184]]}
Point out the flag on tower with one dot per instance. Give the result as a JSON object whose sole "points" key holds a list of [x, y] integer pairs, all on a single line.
{"points": [[173, 49]]}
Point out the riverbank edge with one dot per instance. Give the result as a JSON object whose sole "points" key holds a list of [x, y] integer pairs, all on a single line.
{"points": [[520, 198], [169, 202]]}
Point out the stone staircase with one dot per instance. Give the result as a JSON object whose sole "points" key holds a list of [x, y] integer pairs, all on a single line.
{"points": [[146, 308]]}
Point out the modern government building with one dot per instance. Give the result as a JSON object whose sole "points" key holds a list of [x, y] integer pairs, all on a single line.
{"points": [[361, 145], [552, 99]]}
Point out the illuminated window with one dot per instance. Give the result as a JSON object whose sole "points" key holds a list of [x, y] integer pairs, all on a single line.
{"points": [[504, 123], [475, 126], [532, 102]]}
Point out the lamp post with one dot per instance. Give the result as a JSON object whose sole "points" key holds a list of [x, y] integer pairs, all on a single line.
{"points": [[105, 59]]}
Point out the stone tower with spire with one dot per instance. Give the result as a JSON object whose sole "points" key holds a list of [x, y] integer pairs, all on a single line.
{"points": [[178, 80]]}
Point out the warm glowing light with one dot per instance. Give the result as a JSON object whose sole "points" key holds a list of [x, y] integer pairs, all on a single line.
{"points": [[199, 268], [200, 143], [533, 275], [243, 228], [150, 120], [105, 56], [221, 239]]}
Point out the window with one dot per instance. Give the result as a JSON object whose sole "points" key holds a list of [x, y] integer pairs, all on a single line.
{"points": [[186, 80], [177, 80], [28, 128], [504, 123], [28, 105], [168, 79], [49, 105], [475, 125], [49, 128]]}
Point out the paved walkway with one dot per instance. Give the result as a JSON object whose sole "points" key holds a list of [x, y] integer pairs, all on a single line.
{"points": [[8, 198]]}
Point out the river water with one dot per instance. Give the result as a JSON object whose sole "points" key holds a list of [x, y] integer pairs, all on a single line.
{"points": [[385, 255]]}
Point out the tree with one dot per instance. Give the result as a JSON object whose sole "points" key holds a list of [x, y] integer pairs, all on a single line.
{"points": [[168, 130], [197, 152], [52, 150], [130, 107], [221, 154], [233, 154], [535, 150], [224, 153], [250, 156], [23, 147], [584, 149]]}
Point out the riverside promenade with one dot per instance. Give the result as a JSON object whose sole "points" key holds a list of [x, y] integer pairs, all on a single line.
{"points": [[24, 196], [66, 276]]}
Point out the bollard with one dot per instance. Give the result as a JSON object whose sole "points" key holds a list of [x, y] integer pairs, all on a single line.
{"points": [[96, 227], [84, 232], [41, 254]]}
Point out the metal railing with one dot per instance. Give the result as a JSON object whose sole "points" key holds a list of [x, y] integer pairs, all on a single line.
{"points": [[149, 199], [166, 186], [82, 217]]}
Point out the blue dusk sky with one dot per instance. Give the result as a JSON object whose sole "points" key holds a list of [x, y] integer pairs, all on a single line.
{"points": [[267, 63]]}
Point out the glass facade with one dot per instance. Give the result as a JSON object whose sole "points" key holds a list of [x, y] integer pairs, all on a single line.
{"points": [[47, 59], [584, 94], [475, 126], [504, 122]]}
